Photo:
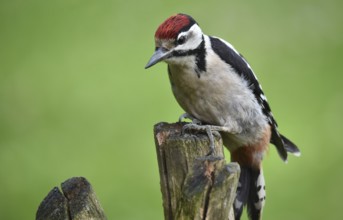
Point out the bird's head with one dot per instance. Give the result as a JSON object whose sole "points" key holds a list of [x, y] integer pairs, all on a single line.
{"points": [[176, 38]]}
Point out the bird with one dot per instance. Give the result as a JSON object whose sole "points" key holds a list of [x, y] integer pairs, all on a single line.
{"points": [[218, 90]]}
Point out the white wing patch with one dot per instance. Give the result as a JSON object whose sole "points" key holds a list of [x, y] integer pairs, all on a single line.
{"points": [[263, 97]]}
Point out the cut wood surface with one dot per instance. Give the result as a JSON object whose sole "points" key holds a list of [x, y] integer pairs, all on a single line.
{"points": [[77, 201], [193, 185]]}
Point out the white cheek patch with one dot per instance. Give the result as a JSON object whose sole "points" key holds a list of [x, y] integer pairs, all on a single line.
{"points": [[261, 192], [193, 38]]}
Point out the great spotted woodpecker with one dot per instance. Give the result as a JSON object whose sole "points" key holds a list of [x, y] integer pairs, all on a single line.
{"points": [[215, 85]]}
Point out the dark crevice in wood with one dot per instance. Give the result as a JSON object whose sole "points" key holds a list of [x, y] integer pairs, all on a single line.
{"points": [[75, 201], [207, 195]]}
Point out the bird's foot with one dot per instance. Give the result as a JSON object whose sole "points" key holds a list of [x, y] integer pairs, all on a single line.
{"points": [[210, 131]]}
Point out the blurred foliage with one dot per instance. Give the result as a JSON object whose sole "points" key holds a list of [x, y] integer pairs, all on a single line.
{"points": [[75, 99]]}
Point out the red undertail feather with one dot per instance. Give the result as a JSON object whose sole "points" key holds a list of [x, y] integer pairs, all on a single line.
{"points": [[251, 188], [252, 155]]}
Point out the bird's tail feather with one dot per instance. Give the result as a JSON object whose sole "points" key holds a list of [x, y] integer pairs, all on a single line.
{"points": [[283, 145], [290, 146], [250, 193]]}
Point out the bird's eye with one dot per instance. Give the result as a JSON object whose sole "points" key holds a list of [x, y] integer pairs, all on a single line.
{"points": [[181, 40]]}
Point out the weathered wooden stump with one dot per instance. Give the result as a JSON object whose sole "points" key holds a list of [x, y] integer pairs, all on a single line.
{"points": [[193, 185], [77, 202]]}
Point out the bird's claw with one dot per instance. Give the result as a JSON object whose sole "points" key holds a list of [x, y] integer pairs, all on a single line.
{"points": [[207, 129], [190, 117]]}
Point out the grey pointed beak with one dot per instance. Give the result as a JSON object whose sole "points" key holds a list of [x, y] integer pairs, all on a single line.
{"points": [[159, 55]]}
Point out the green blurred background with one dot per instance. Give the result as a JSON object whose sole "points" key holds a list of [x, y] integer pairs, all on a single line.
{"points": [[75, 99]]}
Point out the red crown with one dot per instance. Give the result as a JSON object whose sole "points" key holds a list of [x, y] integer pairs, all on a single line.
{"points": [[171, 27]]}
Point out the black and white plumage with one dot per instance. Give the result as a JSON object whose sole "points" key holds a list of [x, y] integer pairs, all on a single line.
{"points": [[214, 84], [228, 54]]}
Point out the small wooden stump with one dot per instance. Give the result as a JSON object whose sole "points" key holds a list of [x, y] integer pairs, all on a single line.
{"points": [[194, 186], [77, 202]]}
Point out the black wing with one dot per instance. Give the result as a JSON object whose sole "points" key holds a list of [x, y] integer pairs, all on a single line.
{"points": [[228, 54]]}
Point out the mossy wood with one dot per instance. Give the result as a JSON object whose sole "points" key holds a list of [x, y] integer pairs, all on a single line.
{"points": [[77, 201], [193, 185]]}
